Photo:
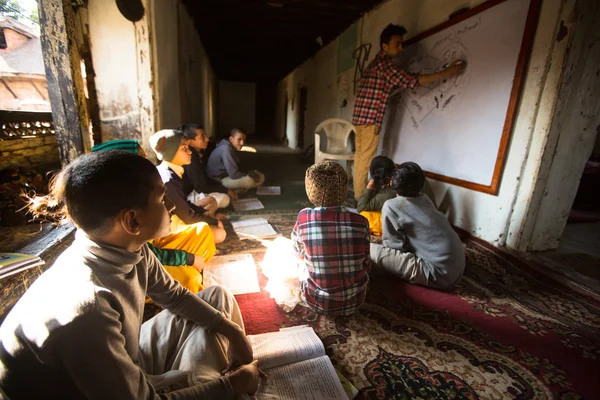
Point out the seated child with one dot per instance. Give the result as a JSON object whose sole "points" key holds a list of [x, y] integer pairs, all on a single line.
{"points": [[185, 266], [419, 245], [223, 164], [377, 192], [77, 331], [332, 244], [195, 181]]}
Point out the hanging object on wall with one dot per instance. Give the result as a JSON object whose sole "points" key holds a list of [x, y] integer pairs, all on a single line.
{"points": [[361, 55], [132, 10]]}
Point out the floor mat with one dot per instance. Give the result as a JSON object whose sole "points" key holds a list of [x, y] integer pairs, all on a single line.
{"points": [[503, 332]]}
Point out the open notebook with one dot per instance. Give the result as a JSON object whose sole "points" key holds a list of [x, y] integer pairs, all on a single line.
{"points": [[236, 272], [297, 366], [11, 263], [249, 204], [255, 228]]}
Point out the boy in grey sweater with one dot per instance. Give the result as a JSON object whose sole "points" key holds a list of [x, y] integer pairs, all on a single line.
{"points": [[77, 332], [419, 245]]}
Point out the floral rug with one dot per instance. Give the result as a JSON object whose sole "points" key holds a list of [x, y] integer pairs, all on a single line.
{"points": [[502, 333]]}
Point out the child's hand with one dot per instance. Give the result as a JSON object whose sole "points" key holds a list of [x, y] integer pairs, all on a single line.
{"points": [[220, 217], [240, 349], [246, 379], [232, 194], [198, 262], [371, 184]]}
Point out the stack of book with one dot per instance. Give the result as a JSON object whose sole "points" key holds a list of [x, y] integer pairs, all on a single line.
{"points": [[11, 263]]}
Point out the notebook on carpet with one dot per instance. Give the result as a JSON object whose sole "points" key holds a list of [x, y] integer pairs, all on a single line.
{"points": [[236, 272], [255, 228], [297, 367], [268, 191], [249, 204], [11, 263]]}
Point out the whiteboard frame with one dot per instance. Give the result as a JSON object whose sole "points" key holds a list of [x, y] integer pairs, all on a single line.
{"points": [[515, 94]]}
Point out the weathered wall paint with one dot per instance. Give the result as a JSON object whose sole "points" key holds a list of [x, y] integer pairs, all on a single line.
{"points": [[485, 216], [184, 77], [114, 53], [65, 83], [573, 130]]}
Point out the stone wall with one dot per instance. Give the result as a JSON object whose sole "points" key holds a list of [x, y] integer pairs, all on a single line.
{"points": [[28, 152]]}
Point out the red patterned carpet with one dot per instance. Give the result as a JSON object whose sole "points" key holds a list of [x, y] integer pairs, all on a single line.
{"points": [[504, 332]]}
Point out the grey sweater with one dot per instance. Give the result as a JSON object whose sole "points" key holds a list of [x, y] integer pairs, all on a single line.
{"points": [[75, 333], [412, 224], [224, 162]]}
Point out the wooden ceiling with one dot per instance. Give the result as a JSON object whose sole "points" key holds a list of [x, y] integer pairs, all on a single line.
{"points": [[264, 40]]}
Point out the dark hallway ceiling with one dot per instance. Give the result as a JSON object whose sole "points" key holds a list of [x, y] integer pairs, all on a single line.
{"points": [[257, 40]]}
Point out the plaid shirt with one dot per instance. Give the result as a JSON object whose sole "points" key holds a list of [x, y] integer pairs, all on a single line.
{"points": [[378, 80], [334, 245]]}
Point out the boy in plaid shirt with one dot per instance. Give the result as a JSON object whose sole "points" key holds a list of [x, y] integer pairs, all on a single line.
{"points": [[333, 244]]}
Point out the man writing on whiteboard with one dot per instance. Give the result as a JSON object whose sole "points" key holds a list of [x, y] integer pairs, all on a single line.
{"points": [[379, 78]]}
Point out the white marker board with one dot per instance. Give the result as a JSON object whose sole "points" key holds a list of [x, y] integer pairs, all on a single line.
{"points": [[458, 129]]}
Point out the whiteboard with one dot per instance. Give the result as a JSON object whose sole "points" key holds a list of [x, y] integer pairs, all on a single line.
{"points": [[457, 129]]}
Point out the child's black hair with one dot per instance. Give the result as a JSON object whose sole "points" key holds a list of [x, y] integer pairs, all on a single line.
{"points": [[408, 179], [234, 131], [381, 170], [389, 31], [190, 131], [95, 187]]}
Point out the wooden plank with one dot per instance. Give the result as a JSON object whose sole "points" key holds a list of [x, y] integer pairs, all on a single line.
{"points": [[65, 83]]}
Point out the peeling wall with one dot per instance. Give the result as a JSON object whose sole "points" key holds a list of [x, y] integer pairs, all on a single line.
{"points": [[150, 75], [186, 83], [571, 133], [113, 48], [485, 216]]}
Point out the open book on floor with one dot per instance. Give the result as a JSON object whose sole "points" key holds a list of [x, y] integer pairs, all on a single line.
{"points": [[255, 228], [11, 263], [249, 204], [294, 360], [268, 190]]}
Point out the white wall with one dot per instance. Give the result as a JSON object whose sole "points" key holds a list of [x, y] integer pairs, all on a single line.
{"points": [[113, 47], [237, 107], [185, 80], [485, 216], [152, 74]]}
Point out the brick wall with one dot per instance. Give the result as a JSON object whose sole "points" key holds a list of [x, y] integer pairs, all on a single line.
{"points": [[28, 152]]}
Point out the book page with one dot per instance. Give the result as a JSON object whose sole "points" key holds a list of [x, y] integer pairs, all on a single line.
{"points": [[268, 191], [247, 204], [255, 231], [235, 272], [286, 347], [248, 222], [313, 379]]}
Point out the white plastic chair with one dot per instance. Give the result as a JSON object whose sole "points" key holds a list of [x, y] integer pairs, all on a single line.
{"points": [[337, 132]]}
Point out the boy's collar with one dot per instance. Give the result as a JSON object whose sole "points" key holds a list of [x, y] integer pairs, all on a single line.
{"points": [[176, 168]]}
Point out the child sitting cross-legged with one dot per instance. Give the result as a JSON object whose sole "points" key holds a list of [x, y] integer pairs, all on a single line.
{"points": [[77, 332], [377, 192], [194, 228], [419, 244], [332, 244], [178, 262]]}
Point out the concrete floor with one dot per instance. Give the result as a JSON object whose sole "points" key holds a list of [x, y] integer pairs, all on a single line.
{"points": [[577, 258]]}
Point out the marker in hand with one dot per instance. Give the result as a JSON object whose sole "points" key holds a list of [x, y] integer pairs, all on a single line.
{"points": [[457, 62]]}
